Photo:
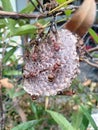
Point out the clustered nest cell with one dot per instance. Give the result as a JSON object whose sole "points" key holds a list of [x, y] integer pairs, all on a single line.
{"points": [[51, 64]]}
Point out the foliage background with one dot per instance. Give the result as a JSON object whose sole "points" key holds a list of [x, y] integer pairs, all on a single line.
{"points": [[17, 110]]}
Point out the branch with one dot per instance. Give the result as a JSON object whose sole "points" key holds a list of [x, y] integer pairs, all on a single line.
{"points": [[90, 63], [40, 4], [14, 15], [93, 49], [34, 5]]}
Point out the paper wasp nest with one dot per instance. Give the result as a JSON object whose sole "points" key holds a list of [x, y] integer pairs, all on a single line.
{"points": [[51, 64]]}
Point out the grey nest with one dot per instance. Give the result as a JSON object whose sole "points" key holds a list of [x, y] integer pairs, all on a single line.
{"points": [[51, 64]]}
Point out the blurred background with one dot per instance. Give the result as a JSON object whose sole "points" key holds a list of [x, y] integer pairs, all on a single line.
{"points": [[17, 109]]}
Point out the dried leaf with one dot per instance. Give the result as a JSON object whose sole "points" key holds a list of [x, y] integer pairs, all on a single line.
{"points": [[5, 83], [83, 19], [87, 82]]}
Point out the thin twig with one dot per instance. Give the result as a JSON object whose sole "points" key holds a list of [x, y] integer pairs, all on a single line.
{"points": [[60, 6], [93, 49], [14, 15], [40, 4], [35, 5], [90, 63]]}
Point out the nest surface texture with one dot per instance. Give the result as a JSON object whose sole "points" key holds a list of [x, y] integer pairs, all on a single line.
{"points": [[52, 64]]}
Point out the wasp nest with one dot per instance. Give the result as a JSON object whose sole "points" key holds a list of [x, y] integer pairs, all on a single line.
{"points": [[51, 64]]}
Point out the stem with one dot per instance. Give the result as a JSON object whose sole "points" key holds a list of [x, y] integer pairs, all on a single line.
{"points": [[1, 76], [61, 5], [14, 15], [40, 4], [34, 5], [1, 109], [90, 63], [46, 102], [93, 49]]}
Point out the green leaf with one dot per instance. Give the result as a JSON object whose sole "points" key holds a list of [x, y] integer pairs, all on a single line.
{"points": [[12, 72], [95, 55], [85, 121], [10, 23], [8, 54], [2, 23], [95, 96], [10, 92], [13, 94], [25, 29], [29, 8], [26, 125], [61, 1], [84, 110], [7, 5], [94, 35], [77, 119], [18, 94], [68, 12], [61, 121], [64, 4], [34, 109]]}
